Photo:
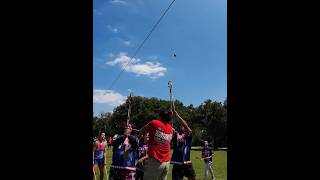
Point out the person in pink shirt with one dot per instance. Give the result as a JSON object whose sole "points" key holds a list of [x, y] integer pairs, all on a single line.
{"points": [[99, 154]]}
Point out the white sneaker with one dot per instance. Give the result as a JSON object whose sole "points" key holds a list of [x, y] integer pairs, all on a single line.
{"points": [[213, 178]]}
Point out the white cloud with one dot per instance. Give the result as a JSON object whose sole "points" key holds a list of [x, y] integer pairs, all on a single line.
{"points": [[150, 69], [123, 60], [118, 2], [110, 97], [115, 30]]}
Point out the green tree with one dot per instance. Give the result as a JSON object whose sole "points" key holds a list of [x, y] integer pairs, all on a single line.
{"points": [[208, 121]]}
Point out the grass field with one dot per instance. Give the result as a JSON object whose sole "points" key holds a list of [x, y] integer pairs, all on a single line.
{"points": [[219, 165]]}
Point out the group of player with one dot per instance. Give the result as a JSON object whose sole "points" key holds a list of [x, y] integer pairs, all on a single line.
{"points": [[147, 154]]}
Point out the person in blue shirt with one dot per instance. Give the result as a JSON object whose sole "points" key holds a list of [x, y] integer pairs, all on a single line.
{"points": [[182, 165], [142, 155], [207, 154], [124, 156]]}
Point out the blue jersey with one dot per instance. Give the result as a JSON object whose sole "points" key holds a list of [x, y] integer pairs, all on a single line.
{"points": [[181, 148], [142, 152], [207, 152], [124, 152]]}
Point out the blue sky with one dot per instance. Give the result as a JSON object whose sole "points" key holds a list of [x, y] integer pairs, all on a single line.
{"points": [[194, 30]]}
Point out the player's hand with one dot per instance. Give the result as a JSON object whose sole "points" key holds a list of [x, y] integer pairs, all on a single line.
{"points": [[175, 113]]}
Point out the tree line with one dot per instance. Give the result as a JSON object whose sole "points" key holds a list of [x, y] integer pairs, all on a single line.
{"points": [[208, 121]]}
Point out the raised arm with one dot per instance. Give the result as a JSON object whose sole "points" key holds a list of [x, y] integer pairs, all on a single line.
{"points": [[143, 130], [182, 121], [118, 140], [143, 158]]}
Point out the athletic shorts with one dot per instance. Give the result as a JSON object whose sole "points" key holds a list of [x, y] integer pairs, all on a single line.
{"points": [[154, 169], [98, 162], [179, 171], [139, 174], [121, 174]]}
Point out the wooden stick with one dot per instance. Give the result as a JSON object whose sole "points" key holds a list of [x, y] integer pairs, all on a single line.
{"points": [[129, 110], [170, 92]]}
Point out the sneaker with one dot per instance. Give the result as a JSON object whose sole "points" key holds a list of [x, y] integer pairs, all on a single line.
{"points": [[213, 178]]}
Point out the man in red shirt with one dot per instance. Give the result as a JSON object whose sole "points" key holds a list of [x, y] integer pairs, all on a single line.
{"points": [[160, 135]]}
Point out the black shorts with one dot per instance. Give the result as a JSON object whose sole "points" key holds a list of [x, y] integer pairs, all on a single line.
{"points": [[139, 174], [121, 174], [179, 171]]}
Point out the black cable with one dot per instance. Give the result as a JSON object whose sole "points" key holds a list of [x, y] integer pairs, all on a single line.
{"points": [[136, 52]]}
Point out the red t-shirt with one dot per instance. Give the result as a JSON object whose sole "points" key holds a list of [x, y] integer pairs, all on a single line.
{"points": [[160, 135]]}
